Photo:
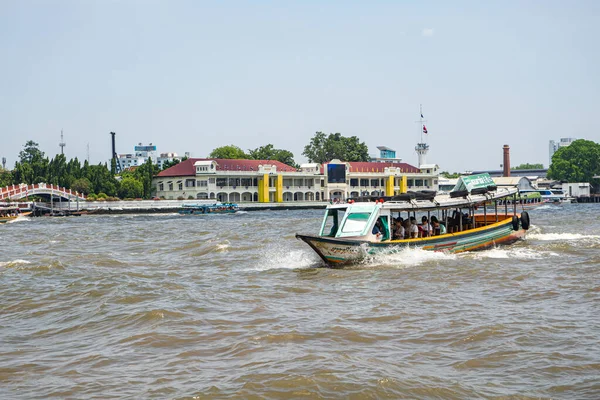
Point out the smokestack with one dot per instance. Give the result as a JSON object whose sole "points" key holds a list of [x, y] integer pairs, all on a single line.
{"points": [[114, 165], [506, 164]]}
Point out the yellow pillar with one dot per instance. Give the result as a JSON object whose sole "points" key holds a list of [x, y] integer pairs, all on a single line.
{"points": [[279, 189], [403, 184], [263, 189], [389, 186]]}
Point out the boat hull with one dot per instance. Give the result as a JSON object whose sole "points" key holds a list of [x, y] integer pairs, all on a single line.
{"points": [[334, 251]]}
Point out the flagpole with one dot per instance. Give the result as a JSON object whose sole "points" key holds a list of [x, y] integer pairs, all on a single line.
{"points": [[421, 120]]}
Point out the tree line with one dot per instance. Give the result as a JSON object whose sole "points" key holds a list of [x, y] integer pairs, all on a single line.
{"points": [[97, 181], [94, 180], [578, 162]]}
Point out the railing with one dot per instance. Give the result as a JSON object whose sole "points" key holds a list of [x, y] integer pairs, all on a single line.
{"points": [[23, 190]]}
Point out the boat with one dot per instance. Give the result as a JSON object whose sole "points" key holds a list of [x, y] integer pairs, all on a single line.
{"points": [[215, 208], [552, 196], [346, 232], [8, 214]]}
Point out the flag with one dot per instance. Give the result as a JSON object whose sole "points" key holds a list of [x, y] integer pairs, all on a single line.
{"points": [[424, 129], [421, 115]]}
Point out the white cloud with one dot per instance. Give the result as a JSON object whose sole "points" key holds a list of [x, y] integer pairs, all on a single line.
{"points": [[427, 32]]}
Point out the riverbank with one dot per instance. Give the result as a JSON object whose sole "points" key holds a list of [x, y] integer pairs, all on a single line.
{"points": [[153, 207]]}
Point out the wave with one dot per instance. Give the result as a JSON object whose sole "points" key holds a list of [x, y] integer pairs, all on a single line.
{"points": [[13, 263], [518, 253], [281, 257], [561, 236], [406, 257]]}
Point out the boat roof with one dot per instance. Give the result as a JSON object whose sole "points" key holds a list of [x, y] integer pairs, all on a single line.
{"points": [[439, 201]]}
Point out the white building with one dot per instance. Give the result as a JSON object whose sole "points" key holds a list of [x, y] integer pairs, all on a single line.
{"points": [[272, 181], [141, 155]]}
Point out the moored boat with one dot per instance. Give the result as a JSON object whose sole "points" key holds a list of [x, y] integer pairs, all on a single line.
{"points": [[348, 231], [216, 208]]}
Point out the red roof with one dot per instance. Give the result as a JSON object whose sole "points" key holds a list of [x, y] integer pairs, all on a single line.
{"points": [[186, 168]]}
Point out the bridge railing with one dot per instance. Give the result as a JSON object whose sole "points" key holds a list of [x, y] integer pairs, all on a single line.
{"points": [[23, 190]]}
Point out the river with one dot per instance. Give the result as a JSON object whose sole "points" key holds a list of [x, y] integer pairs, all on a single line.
{"points": [[233, 306]]}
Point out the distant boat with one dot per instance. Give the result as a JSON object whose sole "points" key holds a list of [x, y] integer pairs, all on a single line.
{"points": [[555, 196], [8, 214], [216, 208]]}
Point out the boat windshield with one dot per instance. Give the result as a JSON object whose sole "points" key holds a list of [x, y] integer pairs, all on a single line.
{"points": [[330, 224], [356, 222]]}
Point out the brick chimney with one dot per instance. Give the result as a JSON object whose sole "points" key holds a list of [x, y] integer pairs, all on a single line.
{"points": [[506, 163]]}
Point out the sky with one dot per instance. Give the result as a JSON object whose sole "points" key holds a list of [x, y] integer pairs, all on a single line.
{"points": [[191, 76]]}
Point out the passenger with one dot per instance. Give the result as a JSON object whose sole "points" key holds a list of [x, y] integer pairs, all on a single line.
{"points": [[398, 229], [377, 228], [426, 230], [413, 230], [438, 228]]}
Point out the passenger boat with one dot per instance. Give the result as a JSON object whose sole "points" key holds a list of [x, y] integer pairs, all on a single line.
{"points": [[216, 208], [553, 196], [8, 214], [346, 233]]}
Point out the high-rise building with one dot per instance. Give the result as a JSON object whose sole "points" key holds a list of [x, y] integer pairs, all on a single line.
{"points": [[141, 155], [563, 142]]}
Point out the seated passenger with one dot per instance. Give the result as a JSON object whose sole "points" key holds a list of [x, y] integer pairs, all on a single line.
{"points": [[438, 228], [398, 229], [377, 229], [425, 227], [413, 231]]}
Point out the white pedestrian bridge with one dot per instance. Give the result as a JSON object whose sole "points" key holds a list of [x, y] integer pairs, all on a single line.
{"points": [[22, 191]]}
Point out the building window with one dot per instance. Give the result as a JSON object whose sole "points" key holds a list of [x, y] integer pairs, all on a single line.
{"points": [[418, 182], [354, 182], [161, 186], [170, 185], [180, 185], [246, 182], [375, 182], [221, 182], [202, 184], [364, 182], [190, 183]]}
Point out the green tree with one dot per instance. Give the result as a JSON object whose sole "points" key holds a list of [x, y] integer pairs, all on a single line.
{"points": [[449, 175], [578, 162], [131, 188], [325, 148], [6, 177], [528, 166], [31, 152], [269, 153], [81, 185], [169, 164], [229, 152], [144, 174]]}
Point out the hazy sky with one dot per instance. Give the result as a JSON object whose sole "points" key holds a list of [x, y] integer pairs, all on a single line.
{"points": [[195, 75]]}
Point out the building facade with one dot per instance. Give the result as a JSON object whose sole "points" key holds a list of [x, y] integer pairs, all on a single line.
{"points": [[141, 155], [268, 181]]}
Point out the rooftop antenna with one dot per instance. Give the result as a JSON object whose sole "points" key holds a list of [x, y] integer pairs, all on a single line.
{"points": [[422, 147], [62, 143]]}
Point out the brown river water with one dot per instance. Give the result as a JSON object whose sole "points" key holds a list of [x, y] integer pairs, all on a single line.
{"points": [[233, 306]]}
